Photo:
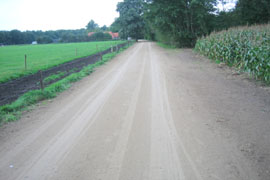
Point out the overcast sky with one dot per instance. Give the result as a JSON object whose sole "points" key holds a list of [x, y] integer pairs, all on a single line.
{"points": [[59, 14], [55, 14]]}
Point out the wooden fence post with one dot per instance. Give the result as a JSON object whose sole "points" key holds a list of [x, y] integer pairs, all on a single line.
{"points": [[100, 56], [41, 81], [25, 62], [111, 48]]}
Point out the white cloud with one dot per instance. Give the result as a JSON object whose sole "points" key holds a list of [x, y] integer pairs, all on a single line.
{"points": [[230, 4]]}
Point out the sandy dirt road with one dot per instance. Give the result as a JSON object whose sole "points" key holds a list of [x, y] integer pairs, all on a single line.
{"points": [[149, 114]]}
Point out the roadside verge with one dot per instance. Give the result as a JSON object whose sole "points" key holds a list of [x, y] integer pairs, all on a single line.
{"points": [[11, 112]]}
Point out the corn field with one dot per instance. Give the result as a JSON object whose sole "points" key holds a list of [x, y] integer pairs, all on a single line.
{"points": [[247, 48]]}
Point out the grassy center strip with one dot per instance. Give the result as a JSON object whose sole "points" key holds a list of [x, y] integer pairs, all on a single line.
{"points": [[166, 46], [12, 112]]}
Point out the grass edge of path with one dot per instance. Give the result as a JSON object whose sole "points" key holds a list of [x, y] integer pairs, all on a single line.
{"points": [[13, 111]]}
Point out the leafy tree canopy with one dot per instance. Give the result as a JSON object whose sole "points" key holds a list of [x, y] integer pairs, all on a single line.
{"points": [[92, 26], [100, 36], [115, 26], [180, 22], [131, 20], [253, 11], [104, 28]]}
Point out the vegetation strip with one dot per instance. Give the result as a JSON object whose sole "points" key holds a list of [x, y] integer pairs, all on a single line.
{"points": [[54, 77], [247, 48], [13, 111], [11, 90], [166, 46]]}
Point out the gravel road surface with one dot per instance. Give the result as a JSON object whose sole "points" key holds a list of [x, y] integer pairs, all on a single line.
{"points": [[148, 114]]}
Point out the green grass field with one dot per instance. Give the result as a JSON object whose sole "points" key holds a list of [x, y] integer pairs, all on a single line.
{"points": [[40, 57]]}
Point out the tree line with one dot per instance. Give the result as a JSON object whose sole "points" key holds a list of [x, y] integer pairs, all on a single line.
{"points": [[181, 22], [59, 36], [175, 22]]}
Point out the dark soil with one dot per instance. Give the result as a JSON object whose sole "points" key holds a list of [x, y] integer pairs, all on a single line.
{"points": [[11, 90]]}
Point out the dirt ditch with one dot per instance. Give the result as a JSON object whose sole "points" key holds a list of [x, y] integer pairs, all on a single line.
{"points": [[11, 90]]}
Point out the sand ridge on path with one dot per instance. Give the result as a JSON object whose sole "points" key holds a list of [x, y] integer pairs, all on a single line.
{"points": [[148, 114]]}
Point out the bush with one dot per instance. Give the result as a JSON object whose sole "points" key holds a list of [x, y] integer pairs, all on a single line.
{"points": [[247, 48], [100, 36]]}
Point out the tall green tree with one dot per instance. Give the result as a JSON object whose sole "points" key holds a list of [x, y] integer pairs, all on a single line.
{"points": [[92, 26], [253, 11], [115, 26], [104, 28], [180, 22], [131, 20], [17, 37]]}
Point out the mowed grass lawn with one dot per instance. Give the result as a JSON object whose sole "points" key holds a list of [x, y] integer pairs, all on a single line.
{"points": [[40, 57]]}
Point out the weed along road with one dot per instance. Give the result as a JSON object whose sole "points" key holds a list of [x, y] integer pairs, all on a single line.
{"points": [[148, 114]]}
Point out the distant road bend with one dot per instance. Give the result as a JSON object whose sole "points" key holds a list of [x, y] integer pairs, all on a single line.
{"points": [[149, 114]]}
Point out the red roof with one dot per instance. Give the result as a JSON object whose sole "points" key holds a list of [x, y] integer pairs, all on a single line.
{"points": [[114, 35], [91, 33]]}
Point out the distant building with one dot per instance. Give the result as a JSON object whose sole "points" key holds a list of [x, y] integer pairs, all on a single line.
{"points": [[90, 34], [34, 42], [114, 35]]}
